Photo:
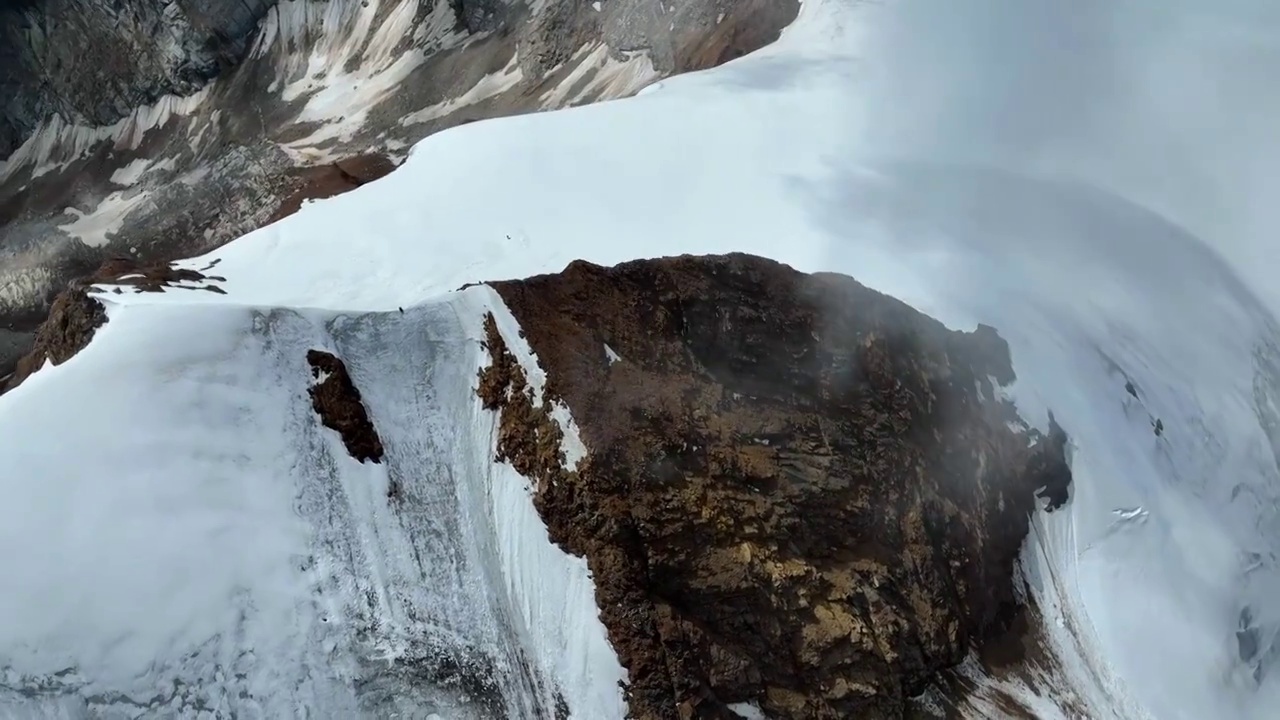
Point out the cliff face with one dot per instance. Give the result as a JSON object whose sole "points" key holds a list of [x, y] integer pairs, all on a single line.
{"points": [[797, 492], [94, 61]]}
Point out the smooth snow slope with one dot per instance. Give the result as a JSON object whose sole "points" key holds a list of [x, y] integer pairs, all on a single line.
{"points": [[140, 460]]}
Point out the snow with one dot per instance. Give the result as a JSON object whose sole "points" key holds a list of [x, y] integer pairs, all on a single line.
{"points": [[196, 447], [747, 711], [556, 595], [599, 74], [339, 99], [131, 173], [126, 498], [269, 552], [93, 228], [490, 85]]}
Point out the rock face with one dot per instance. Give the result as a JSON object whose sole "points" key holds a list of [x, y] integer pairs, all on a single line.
{"points": [[325, 181], [94, 61], [75, 315], [336, 400], [72, 322], [798, 492], [182, 178]]}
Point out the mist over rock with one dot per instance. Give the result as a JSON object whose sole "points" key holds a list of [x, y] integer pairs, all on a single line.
{"points": [[797, 493]]}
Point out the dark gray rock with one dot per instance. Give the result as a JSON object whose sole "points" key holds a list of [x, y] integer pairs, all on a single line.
{"points": [[96, 60], [229, 164]]}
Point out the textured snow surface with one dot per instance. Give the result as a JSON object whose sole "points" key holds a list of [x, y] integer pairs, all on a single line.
{"points": [[212, 542], [180, 533]]}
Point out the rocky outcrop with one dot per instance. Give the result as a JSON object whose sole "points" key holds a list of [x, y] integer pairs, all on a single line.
{"points": [[75, 315], [195, 175], [325, 181], [337, 401], [73, 320], [120, 273], [94, 61], [797, 492]]}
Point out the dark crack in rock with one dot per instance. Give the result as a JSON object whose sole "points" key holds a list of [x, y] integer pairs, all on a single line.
{"points": [[337, 401], [798, 492]]}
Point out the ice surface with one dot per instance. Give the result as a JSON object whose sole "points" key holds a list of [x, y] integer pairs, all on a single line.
{"points": [[194, 446], [221, 544]]}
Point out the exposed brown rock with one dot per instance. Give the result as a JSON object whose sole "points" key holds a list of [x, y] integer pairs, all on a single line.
{"points": [[73, 320], [326, 181], [798, 491], [337, 401], [71, 307], [745, 26], [1022, 657], [122, 272]]}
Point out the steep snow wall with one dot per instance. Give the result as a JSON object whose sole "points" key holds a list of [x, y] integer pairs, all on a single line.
{"points": [[281, 572], [1166, 557]]}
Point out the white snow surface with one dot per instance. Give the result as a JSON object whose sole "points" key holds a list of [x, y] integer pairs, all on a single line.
{"points": [[95, 228], [181, 533], [490, 85]]}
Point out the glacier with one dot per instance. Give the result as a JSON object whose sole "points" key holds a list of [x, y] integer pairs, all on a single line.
{"points": [[180, 535]]}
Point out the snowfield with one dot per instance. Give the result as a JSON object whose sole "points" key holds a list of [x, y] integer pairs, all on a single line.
{"points": [[180, 535]]}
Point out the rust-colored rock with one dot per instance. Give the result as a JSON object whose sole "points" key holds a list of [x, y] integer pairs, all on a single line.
{"points": [[326, 181], [743, 28], [337, 401], [73, 319], [75, 315], [122, 272], [798, 492]]}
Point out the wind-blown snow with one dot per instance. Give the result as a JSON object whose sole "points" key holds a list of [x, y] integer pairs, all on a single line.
{"points": [[223, 545], [779, 154]]}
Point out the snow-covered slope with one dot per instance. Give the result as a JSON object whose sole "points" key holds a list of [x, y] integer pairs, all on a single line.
{"points": [[177, 525], [214, 548]]}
